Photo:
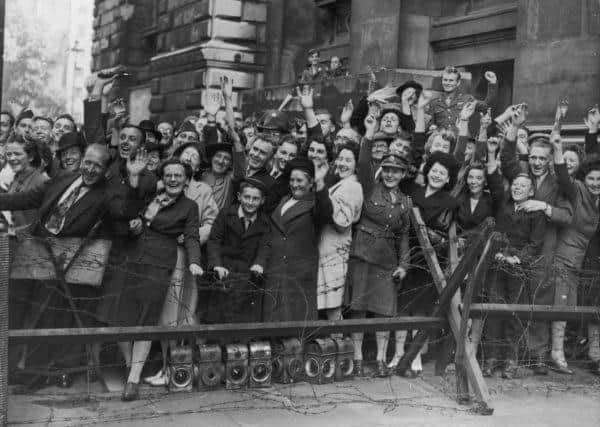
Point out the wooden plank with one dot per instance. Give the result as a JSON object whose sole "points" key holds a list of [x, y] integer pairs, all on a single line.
{"points": [[472, 366], [534, 312], [448, 293], [303, 329], [478, 276]]}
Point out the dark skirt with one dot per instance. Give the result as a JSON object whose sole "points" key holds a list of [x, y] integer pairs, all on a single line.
{"points": [[239, 302], [418, 293], [371, 287], [147, 270]]}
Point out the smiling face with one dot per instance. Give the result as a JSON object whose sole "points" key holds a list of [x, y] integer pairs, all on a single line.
{"points": [[94, 164], [572, 161], [153, 160], [476, 181], [438, 176], [391, 176], [439, 143], [42, 131], [379, 149], [284, 154], [521, 189], [250, 199], [344, 136], [300, 184], [166, 129], [592, 182], [400, 147], [24, 128], [450, 82], [314, 58], [17, 158], [390, 123], [317, 153], [70, 159], [221, 162], [175, 179], [187, 137], [129, 141], [539, 160], [62, 126], [345, 164], [324, 120], [335, 63], [259, 154], [191, 157]]}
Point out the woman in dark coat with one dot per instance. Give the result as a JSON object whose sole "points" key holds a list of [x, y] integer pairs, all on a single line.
{"points": [[291, 263], [150, 261]]}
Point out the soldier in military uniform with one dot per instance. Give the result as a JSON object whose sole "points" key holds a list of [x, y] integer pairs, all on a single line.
{"points": [[444, 110]]}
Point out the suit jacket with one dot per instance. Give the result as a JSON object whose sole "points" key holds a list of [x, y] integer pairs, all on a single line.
{"points": [[99, 203], [231, 246]]}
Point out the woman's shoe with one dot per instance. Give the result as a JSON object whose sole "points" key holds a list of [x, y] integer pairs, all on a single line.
{"points": [[560, 366], [394, 363], [358, 368], [131, 392], [159, 380], [382, 371]]}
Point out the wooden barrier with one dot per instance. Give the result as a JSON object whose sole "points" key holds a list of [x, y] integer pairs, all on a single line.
{"points": [[534, 312]]}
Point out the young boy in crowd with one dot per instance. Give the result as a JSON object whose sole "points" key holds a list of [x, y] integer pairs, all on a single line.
{"points": [[237, 236]]}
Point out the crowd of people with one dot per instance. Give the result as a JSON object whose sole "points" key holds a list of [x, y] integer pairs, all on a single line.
{"points": [[222, 220]]}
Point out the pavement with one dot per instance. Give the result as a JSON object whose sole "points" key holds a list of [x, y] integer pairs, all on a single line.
{"points": [[566, 401]]}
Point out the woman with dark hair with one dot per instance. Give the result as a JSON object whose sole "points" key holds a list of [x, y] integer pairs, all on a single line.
{"points": [[177, 310], [151, 260], [291, 263], [24, 160], [222, 173], [346, 197]]}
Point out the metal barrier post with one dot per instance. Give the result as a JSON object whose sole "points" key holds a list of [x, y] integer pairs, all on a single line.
{"points": [[3, 329]]}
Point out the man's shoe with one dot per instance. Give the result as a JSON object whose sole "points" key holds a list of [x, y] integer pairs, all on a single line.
{"points": [[539, 366], [159, 380], [510, 370], [131, 392]]}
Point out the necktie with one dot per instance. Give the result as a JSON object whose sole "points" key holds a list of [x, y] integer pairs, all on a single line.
{"points": [[56, 221], [246, 223]]}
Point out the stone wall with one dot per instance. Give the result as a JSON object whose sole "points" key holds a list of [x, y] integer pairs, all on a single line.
{"points": [[180, 48]]}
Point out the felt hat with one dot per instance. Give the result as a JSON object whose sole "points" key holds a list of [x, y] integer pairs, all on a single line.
{"points": [[300, 163], [211, 149], [149, 127], [71, 139]]}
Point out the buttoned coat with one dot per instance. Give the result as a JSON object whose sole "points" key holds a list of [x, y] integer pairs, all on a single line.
{"points": [[292, 259]]}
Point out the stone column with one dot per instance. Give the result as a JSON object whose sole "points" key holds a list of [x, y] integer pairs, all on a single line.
{"points": [[374, 34], [558, 44]]}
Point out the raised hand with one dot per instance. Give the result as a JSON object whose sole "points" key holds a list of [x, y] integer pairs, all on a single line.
{"points": [[136, 226], [305, 95], [347, 112], [213, 103], [258, 269], [592, 121], [136, 165], [490, 76], [467, 110], [371, 125], [486, 118], [556, 141], [226, 87], [424, 99], [320, 173], [399, 273], [521, 114]]}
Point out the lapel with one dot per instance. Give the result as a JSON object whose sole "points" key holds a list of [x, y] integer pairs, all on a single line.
{"points": [[259, 226], [57, 191], [81, 206], [235, 223], [298, 209]]}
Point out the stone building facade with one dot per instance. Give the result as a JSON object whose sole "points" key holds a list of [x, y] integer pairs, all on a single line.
{"points": [[177, 49]]}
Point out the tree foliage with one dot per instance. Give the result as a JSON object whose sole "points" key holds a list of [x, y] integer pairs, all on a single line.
{"points": [[26, 67]]}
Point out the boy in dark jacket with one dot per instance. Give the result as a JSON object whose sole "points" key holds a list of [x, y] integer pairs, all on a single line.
{"points": [[238, 234]]}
